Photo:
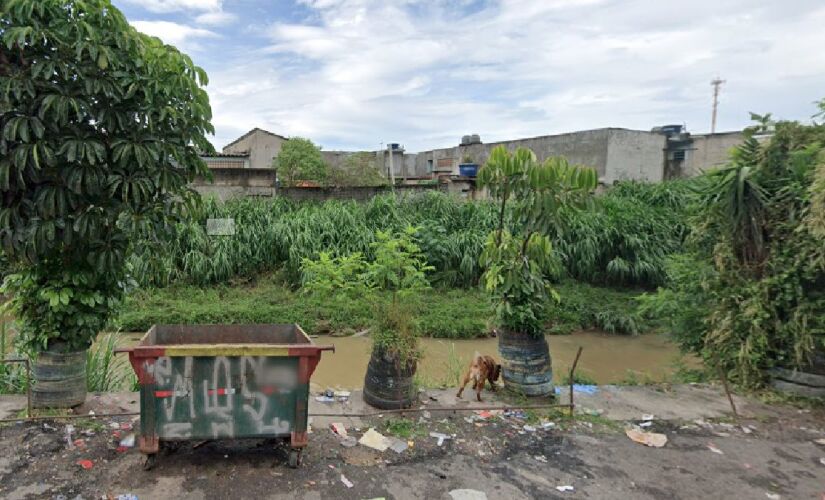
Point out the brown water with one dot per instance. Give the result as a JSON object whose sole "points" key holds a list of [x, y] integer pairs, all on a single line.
{"points": [[605, 358]]}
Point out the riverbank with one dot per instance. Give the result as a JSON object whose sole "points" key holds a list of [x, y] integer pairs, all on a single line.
{"points": [[456, 313], [772, 452]]}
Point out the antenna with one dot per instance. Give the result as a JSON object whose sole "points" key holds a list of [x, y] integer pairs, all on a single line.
{"points": [[716, 82]]}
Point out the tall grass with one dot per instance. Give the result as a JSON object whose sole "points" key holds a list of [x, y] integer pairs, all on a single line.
{"points": [[623, 242], [104, 371]]}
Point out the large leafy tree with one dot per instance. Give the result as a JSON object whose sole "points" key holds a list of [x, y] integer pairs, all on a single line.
{"points": [[100, 131], [300, 160]]}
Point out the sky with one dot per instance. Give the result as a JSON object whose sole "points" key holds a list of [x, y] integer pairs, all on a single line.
{"points": [[356, 74]]}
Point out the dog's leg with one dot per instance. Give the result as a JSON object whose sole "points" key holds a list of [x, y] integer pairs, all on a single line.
{"points": [[479, 388], [463, 384]]}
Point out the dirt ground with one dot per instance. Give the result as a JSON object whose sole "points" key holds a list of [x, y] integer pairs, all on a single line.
{"points": [[777, 456]]}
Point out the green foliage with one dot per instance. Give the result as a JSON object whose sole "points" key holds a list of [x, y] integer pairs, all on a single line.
{"points": [[358, 169], [300, 160], [100, 131], [104, 371], [753, 297], [517, 257], [451, 314], [328, 275], [13, 379]]}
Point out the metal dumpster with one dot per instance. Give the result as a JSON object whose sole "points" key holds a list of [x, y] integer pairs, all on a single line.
{"points": [[203, 382]]}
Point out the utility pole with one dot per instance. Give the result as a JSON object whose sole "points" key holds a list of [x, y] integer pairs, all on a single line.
{"points": [[716, 82]]}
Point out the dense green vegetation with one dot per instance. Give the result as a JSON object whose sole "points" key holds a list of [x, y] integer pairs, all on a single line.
{"points": [[622, 241], [749, 292], [449, 313]]}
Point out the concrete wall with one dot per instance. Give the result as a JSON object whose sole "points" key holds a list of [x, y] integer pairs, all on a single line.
{"points": [[634, 155], [261, 146], [587, 148], [351, 193], [710, 150], [232, 182]]}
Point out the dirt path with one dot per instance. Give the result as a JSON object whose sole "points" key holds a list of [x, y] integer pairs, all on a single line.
{"points": [[776, 457]]}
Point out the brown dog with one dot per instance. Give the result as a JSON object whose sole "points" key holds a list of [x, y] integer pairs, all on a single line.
{"points": [[481, 369]]}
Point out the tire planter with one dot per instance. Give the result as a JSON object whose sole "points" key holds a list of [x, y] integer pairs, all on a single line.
{"points": [[808, 382], [59, 379], [526, 366], [388, 385]]}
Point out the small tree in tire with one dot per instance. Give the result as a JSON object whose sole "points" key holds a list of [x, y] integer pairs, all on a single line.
{"points": [[518, 257], [100, 131]]}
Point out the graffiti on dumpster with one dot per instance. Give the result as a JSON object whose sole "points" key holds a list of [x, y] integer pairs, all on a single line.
{"points": [[212, 397]]}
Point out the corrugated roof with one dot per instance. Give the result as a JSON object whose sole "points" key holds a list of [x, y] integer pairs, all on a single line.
{"points": [[225, 155], [256, 129]]}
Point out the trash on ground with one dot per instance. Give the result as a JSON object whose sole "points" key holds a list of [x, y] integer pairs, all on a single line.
{"points": [[653, 439], [375, 440], [712, 447], [80, 443], [541, 458], [820, 441], [338, 428], [515, 414], [341, 395], [822, 460], [114, 425], [86, 464], [582, 388], [346, 481], [398, 445], [465, 494], [646, 424], [565, 487], [547, 425], [126, 426], [647, 417], [441, 437], [324, 399], [349, 442], [529, 428], [69, 431], [126, 496], [128, 441], [773, 496]]}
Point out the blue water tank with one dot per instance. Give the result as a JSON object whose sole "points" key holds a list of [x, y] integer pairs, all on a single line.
{"points": [[468, 169]]}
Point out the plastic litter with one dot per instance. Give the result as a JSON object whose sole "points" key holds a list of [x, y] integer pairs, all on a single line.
{"points": [[466, 494], [773, 496], [712, 447], [529, 428], [653, 439], [647, 417], [564, 488], [375, 440], [515, 414], [541, 458], [582, 388], [128, 441], [338, 428], [126, 496], [441, 437], [341, 395], [69, 431], [324, 399], [346, 481], [646, 424], [397, 445], [114, 425], [86, 464], [79, 443]]}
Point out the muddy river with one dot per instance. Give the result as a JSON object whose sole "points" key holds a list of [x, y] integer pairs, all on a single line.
{"points": [[605, 358]]}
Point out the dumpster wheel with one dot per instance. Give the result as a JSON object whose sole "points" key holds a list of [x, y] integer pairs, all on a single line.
{"points": [[151, 461], [295, 457]]}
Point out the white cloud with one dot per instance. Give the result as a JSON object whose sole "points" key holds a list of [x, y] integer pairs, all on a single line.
{"points": [[360, 72], [176, 5], [180, 35], [216, 18]]}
